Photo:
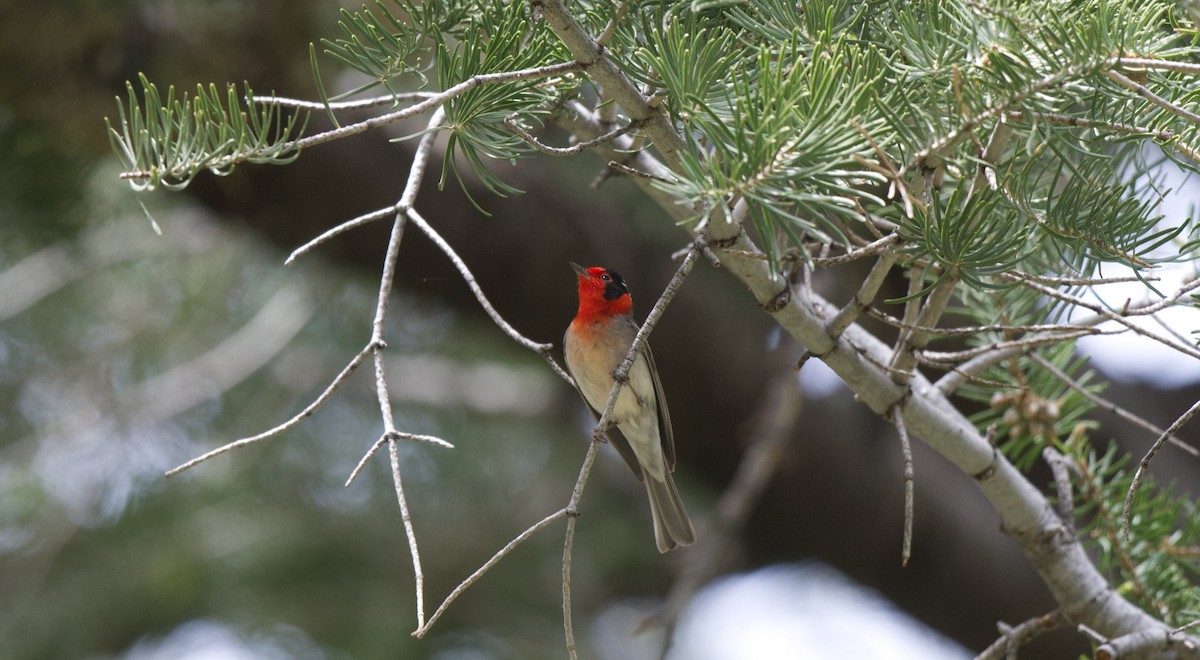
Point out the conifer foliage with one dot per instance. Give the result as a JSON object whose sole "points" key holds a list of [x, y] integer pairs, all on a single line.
{"points": [[1000, 156]]}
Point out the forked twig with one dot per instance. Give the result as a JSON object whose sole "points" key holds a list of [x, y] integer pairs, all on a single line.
{"points": [[1013, 637], [541, 349], [362, 463], [300, 416], [479, 572]]}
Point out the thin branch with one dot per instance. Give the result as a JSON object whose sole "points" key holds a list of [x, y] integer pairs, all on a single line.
{"points": [[875, 247], [511, 123], [1109, 405], [911, 341], [1120, 317], [381, 307], [969, 370], [541, 349], [487, 566], [865, 294], [1161, 65], [1013, 637], [1081, 281], [1059, 467], [1145, 463], [897, 418], [635, 172], [362, 463], [1160, 135], [409, 533], [340, 229], [611, 28], [572, 513], [303, 414], [973, 330], [1024, 344], [437, 99], [621, 375], [359, 104], [1144, 92]]}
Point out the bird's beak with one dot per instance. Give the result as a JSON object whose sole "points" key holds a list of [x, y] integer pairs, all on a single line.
{"points": [[579, 270]]}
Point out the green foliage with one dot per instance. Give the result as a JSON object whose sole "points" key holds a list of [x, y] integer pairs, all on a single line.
{"points": [[991, 135], [974, 236], [502, 40], [168, 142], [804, 111], [1029, 407], [1156, 566]]}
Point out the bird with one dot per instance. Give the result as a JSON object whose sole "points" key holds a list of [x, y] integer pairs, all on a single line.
{"points": [[594, 346]]}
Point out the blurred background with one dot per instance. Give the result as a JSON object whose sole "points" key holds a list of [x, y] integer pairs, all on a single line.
{"points": [[124, 353]]}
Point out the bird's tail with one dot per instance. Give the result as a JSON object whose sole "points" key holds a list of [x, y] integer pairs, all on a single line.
{"points": [[672, 527]]}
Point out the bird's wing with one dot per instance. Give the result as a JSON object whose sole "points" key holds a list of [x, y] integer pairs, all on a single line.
{"points": [[665, 434]]}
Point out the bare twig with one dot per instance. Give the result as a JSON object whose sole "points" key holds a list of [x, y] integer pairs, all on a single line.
{"points": [[609, 29], [338, 230], [1059, 467], [512, 124], [362, 463], [572, 513], [1160, 135], [359, 104], [1024, 344], [1121, 317], [897, 418], [300, 416], [973, 330], [1161, 65], [409, 532], [635, 172], [1082, 281], [1109, 405], [1145, 463], [541, 349], [479, 572], [1013, 637]]}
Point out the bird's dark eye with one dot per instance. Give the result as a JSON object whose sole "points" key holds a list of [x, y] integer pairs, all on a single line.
{"points": [[606, 278]]}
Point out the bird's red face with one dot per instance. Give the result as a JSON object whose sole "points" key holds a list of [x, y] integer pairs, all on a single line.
{"points": [[602, 292]]}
